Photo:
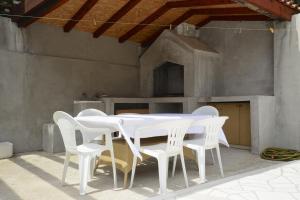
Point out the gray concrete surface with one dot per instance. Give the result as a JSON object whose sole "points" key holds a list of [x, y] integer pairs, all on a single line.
{"points": [[43, 69], [246, 57], [287, 85], [52, 139], [198, 59], [37, 176]]}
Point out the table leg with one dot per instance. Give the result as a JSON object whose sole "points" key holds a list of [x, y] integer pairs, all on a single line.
{"points": [[162, 169], [125, 180]]}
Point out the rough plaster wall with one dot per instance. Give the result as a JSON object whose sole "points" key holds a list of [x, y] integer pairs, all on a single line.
{"points": [[287, 86], [204, 74], [43, 70], [247, 58]]}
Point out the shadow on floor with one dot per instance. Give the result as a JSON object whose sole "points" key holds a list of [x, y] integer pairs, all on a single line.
{"points": [[60, 160], [10, 194], [69, 190]]}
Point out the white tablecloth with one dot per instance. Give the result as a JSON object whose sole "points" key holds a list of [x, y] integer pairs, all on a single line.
{"points": [[127, 125], [132, 121]]}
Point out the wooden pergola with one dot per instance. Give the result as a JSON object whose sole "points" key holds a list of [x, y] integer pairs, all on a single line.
{"points": [[143, 21]]}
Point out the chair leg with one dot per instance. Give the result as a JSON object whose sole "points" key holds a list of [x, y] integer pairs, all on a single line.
{"points": [[133, 171], [112, 155], [201, 163], [212, 156], [66, 164], [162, 174], [167, 167], [184, 169], [92, 167], [97, 163], [84, 162], [220, 161], [174, 165]]}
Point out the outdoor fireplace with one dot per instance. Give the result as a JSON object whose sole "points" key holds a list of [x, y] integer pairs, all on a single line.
{"points": [[168, 80], [177, 65]]}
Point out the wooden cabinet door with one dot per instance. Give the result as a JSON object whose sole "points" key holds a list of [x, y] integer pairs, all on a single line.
{"points": [[231, 127], [245, 129], [237, 127], [139, 111]]}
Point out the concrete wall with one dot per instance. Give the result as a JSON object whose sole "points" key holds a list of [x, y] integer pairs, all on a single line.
{"points": [[247, 58], [287, 85], [43, 69]]}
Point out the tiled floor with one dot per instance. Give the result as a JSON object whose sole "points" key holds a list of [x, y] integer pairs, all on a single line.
{"points": [[281, 182], [36, 176]]}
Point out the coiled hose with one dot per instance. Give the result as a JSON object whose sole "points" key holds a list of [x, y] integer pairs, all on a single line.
{"points": [[279, 154]]}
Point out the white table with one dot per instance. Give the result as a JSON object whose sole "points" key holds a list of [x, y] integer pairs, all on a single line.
{"points": [[131, 122], [127, 124]]}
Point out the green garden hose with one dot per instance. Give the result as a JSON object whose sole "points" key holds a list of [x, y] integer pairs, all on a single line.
{"points": [[279, 154]]}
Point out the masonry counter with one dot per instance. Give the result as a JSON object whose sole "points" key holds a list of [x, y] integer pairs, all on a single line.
{"points": [[251, 123], [116, 105]]}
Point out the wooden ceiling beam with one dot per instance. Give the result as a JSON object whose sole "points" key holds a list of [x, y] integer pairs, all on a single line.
{"points": [[270, 7], [240, 18], [39, 11], [192, 12], [142, 24], [87, 6], [114, 18], [165, 8], [233, 18], [191, 3], [203, 22], [18, 10], [29, 4], [151, 39], [175, 23], [223, 11]]}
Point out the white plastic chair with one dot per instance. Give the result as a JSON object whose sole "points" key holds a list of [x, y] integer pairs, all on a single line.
{"points": [[91, 112], [93, 134], [129, 114], [212, 128], [176, 131], [87, 151], [207, 110]]}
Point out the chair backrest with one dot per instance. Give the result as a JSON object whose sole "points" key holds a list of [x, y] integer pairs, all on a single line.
{"points": [[175, 129], [91, 112], [212, 127], [129, 114], [92, 134], [67, 126], [206, 110]]}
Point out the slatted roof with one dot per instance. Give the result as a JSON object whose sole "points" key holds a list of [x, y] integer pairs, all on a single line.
{"points": [[142, 21]]}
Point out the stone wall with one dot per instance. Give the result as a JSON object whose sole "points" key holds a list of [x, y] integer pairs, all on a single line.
{"points": [[43, 69], [247, 57]]}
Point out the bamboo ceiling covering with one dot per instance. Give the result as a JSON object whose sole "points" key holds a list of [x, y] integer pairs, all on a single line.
{"points": [[124, 28]]}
